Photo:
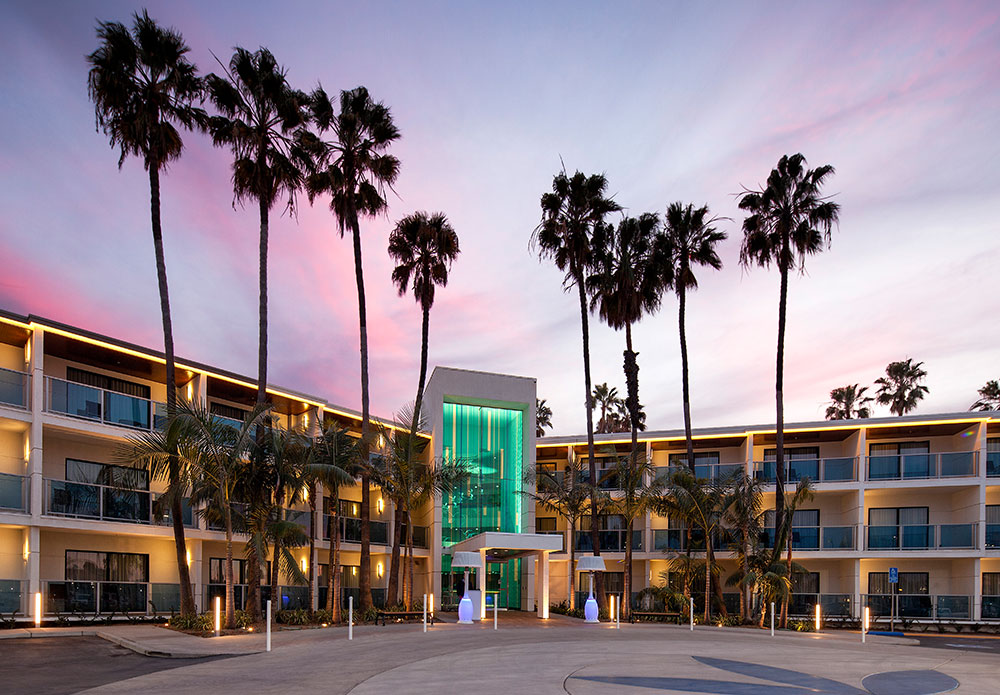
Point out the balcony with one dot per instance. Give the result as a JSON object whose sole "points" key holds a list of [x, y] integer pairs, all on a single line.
{"points": [[96, 597], [817, 538], [99, 502], [831, 605], [991, 608], [419, 536], [922, 537], [954, 464], [100, 405], [704, 471], [12, 594], [187, 515], [993, 464], [842, 469], [992, 536], [300, 517], [13, 492], [611, 541], [350, 530], [15, 388], [919, 606]]}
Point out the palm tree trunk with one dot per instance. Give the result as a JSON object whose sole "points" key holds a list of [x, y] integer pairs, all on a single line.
{"points": [[784, 601], [176, 510], [685, 389], [312, 545], [595, 537], [262, 327], [365, 564], [572, 564], [230, 602], [409, 558], [708, 575], [332, 565], [392, 595], [626, 601], [276, 549], [744, 587], [779, 438]]}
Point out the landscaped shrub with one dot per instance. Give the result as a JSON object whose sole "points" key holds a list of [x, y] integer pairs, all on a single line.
{"points": [[802, 625], [298, 616], [202, 622]]}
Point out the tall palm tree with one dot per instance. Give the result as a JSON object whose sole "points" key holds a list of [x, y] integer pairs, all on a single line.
{"points": [[689, 239], [743, 514], [849, 403], [543, 417], [333, 464], [144, 88], [356, 171], [641, 491], [606, 398], [626, 285], [570, 213], [286, 453], [803, 493], [900, 388], [989, 397], [790, 219]]}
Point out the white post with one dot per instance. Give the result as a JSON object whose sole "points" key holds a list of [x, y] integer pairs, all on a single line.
{"points": [[618, 614], [691, 614], [772, 618], [218, 613], [425, 612], [496, 605], [864, 626], [269, 625], [350, 617]]}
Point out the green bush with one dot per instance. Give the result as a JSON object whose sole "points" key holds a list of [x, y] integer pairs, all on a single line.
{"points": [[298, 616], [321, 616], [801, 625], [201, 622]]}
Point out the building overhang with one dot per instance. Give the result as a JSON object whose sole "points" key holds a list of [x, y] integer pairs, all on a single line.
{"points": [[508, 545]]}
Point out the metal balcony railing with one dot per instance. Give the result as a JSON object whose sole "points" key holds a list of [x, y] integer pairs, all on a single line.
{"points": [[12, 596], [841, 469], [919, 606], [922, 537], [831, 605], [100, 405], [15, 388], [109, 597], [952, 464], [817, 538], [350, 530], [611, 541], [102, 502]]}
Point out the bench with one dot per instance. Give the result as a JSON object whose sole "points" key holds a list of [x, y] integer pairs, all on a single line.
{"points": [[383, 616], [638, 616]]}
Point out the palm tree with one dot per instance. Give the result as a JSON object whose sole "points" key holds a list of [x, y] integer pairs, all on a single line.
{"points": [[803, 493], [743, 515], [789, 220], [570, 213], [625, 285], [849, 403], [144, 87], [900, 388], [689, 238], [606, 398], [286, 454], [566, 494], [543, 417], [641, 491], [356, 171], [989, 397], [333, 463]]}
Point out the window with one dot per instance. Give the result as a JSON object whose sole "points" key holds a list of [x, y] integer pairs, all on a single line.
{"points": [[605, 522], [229, 411], [106, 474], [701, 458], [991, 583], [805, 582], [802, 518], [545, 524], [798, 453], [898, 516], [217, 571], [96, 566], [108, 383], [909, 583], [993, 514], [348, 508]]}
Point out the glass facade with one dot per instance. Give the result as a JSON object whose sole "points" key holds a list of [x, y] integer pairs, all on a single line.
{"points": [[489, 442]]}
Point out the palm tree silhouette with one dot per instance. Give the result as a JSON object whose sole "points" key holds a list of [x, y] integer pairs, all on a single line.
{"points": [[849, 403], [900, 388], [989, 397], [543, 417], [144, 88]]}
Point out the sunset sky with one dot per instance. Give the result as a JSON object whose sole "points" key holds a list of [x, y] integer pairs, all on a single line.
{"points": [[672, 101]]}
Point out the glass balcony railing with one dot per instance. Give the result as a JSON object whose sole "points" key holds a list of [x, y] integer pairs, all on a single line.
{"points": [[350, 530], [89, 501], [926, 606], [705, 471], [611, 541], [96, 597], [15, 388], [953, 464], [816, 538], [12, 594], [826, 470], [13, 492], [187, 515], [922, 537], [991, 608], [300, 517], [99, 405], [993, 536], [992, 464], [419, 536], [831, 605]]}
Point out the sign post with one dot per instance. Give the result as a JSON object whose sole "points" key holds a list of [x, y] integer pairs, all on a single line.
{"points": [[893, 585]]}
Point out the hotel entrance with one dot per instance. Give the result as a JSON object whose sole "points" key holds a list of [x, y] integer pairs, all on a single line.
{"points": [[503, 583]]}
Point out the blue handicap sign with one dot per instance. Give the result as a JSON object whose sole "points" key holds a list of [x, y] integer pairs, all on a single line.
{"points": [[894, 575]]}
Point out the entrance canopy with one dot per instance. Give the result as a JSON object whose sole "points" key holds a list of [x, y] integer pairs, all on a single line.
{"points": [[496, 545]]}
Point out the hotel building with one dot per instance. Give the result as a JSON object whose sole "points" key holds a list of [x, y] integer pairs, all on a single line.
{"points": [[919, 493]]}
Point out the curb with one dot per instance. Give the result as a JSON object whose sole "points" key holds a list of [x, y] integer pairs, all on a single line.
{"points": [[145, 651], [25, 634]]}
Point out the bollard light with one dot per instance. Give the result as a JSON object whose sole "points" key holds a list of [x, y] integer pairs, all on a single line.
{"points": [[431, 605], [38, 609], [864, 626], [611, 607], [867, 618], [819, 618], [218, 615]]}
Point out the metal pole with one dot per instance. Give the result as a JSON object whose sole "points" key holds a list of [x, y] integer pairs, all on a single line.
{"points": [[772, 618], [350, 617], [269, 625], [496, 605], [425, 612], [892, 611], [618, 614], [691, 613]]}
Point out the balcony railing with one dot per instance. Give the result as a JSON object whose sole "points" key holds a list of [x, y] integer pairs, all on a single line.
{"points": [[922, 537], [992, 536], [100, 405], [12, 593], [97, 597], [953, 464], [187, 515], [991, 608], [926, 606], [825, 470], [15, 388], [350, 530], [706, 471], [300, 517], [831, 605], [817, 538], [611, 541], [13, 492], [992, 464], [90, 501]]}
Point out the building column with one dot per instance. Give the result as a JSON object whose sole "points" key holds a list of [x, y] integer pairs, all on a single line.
{"points": [[482, 584], [859, 610], [32, 558], [33, 445], [197, 573], [977, 590], [542, 583]]}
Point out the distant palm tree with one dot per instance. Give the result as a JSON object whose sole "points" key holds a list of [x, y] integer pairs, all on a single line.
{"points": [[803, 493], [356, 171], [543, 417], [688, 239], [626, 285], [900, 388], [790, 219], [743, 514], [989, 397], [640, 492], [606, 398], [570, 213], [849, 403], [144, 87]]}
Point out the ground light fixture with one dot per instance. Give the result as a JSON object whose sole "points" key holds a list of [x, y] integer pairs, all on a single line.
{"points": [[218, 615], [819, 618], [590, 563], [38, 609], [465, 559]]}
